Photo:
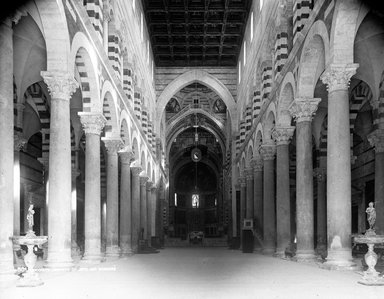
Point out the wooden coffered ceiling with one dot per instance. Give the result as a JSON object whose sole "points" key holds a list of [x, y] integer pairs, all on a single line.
{"points": [[196, 32]]}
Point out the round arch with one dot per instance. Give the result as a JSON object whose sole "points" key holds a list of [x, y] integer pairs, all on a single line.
{"points": [[110, 109], [191, 77], [314, 57], [287, 95]]}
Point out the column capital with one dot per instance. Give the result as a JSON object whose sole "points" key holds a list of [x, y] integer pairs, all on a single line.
{"points": [[143, 180], [113, 145], [149, 185], [93, 123], [153, 188], [19, 142], [126, 156], [61, 85], [338, 76], [376, 139], [303, 109], [268, 151], [242, 181], [248, 174], [136, 170], [282, 135], [257, 164], [320, 174]]}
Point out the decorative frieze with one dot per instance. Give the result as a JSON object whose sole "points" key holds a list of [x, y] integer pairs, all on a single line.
{"points": [[93, 123], [338, 76], [61, 85], [303, 109], [283, 135]]}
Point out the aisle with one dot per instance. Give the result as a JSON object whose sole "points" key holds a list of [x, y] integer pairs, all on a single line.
{"points": [[198, 273]]}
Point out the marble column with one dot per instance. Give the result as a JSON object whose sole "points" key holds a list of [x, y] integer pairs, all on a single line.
{"points": [[148, 212], [268, 152], [61, 86], [282, 136], [135, 207], [143, 206], [154, 212], [249, 184], [7, 147], [112, 229], [19, 144], [362, 215], [126, 157], [161, 222], [376, 139], [243, 201], [339, 217], [302, 109], [75, 249], [258, 201], [320, 174], [93, 124]]}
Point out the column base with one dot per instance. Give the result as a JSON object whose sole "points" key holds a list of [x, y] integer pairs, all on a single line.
{"points": [[305, 256], [269, 251], [280, 254], [112, 252], [95, 258], [64, 265], [126, 254], [339, 260]]}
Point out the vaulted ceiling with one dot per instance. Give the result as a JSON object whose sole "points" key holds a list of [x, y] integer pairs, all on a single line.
{"points": [[196, 32]]}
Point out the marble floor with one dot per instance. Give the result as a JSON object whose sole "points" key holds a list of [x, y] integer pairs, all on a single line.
{"points": [[197, 273]]}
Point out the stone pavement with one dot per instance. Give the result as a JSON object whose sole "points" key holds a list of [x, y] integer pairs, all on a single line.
{"points": [[198, 273]]}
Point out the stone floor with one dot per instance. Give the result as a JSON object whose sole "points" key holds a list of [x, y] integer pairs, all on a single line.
{"points": [[198, 273]]}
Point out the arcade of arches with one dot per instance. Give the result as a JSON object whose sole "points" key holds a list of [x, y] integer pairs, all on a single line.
{"points": [[130, 124]]}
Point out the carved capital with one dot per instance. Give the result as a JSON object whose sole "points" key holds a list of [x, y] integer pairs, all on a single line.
{"points": [[338, 76], [61, 85], [257, 164], [248, 174], [19, 142], [303, 109], [376, 139], [242, 181], [113, 145], [136, 170], [93, 123], [143, 180], [268, 151], [126, 156], [282, 135], [320, 174], [149, 185], [374, 103]]}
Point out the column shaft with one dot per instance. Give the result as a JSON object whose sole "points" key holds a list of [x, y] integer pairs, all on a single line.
{"points": [[379, 191], [258, 197], [283, 207], [125, 204], [135, 208], [321, 212], [112, 248], [304, 191], [269, 217], [7, 147], [243, 201], [249, 206], [143, 208]]}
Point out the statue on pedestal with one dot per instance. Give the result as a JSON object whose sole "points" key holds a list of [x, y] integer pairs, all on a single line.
{"points": [[30, 217], [371, 216]]}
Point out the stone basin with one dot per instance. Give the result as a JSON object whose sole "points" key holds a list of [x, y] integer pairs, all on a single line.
{"points": [[30, 240], [370, 239]]}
